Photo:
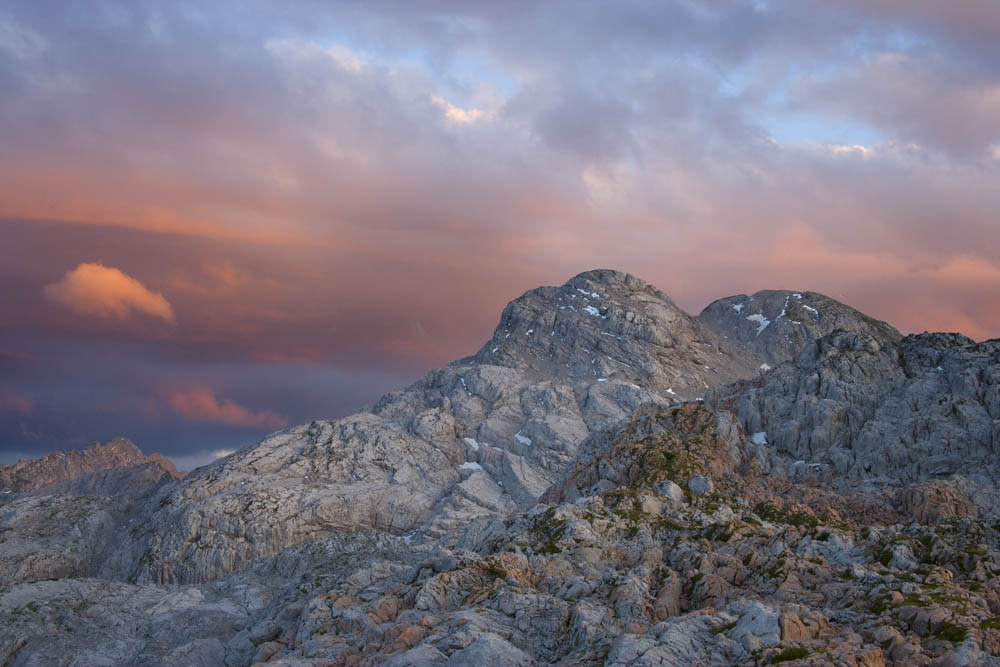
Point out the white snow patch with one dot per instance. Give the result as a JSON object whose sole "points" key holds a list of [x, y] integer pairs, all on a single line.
{"points": [[523, 439], [784, 308], [465, 386], [495, 350], [765, 367], [602, 379], [408, 538], [939, 368], [472, 443], [759, 438], [737, 307], [500, 484], [470, 465], [529, 332], [670, 390], [811, 309], [796, 295], [762, 322], [592, 311], [586, 293]]}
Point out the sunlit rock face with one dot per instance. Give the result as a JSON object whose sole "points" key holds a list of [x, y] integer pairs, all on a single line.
{"points": [[608, 480], [62, 467]]}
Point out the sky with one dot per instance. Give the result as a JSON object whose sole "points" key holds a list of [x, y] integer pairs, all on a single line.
{"points": [[221, 219]]}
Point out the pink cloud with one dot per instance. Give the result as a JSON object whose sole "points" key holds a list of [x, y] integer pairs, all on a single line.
{"points": [[11, 402], [202, 405], [101, 291]]}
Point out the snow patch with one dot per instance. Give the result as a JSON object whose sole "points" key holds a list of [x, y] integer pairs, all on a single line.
{"points": [[765, 367], [784, 308], [737, 307], [471, 442], [495, 350], [602, 379], [762, 322], [593, 311], [796, 295], [470, 465], [759, 438], [465, 386], [523, 439], [811, 309], [670, 390], [586, 293], [408, 538]]}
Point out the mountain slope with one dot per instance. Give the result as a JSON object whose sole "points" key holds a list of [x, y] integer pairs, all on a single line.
{"points": [[61, 467], [607, 481]]}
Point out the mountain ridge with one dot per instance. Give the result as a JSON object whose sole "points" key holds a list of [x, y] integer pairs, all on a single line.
{"points": [[608, 480]]}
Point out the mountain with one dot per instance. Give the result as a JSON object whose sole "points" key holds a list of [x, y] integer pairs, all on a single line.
{"points": [[61, 467], [58, 514], [608, 480]]}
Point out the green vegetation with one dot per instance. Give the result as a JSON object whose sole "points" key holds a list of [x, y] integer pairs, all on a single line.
{"points": [[991, 623], [547, 530], [793, 653], [951, 632], [723, 628], [774, 514]]}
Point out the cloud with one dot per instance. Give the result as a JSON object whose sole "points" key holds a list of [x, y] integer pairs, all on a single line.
{"points": [[100, 291], [12, 402], [202, 405], [458, 114], [192, 461]]}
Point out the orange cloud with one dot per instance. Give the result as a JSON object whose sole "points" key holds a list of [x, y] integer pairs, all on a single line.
{"points": [[101, 291], [202, 405], [968, 271], [11, 402]]}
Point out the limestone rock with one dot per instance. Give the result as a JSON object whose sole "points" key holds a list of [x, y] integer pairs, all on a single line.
{"points": [[61, 467]]}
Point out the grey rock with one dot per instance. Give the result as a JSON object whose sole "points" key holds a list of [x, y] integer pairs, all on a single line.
{"points": [[60, 467], [525, 506], [670, 490], [700, 486]]}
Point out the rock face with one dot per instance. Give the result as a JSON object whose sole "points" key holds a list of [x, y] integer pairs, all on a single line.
{"points": [[777, 325], [901, 411], [480, 437], [607, 481], [62, 523], [62, 467]]}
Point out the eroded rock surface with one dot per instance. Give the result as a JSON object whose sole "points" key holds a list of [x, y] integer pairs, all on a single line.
{"points": [[607, 481]]}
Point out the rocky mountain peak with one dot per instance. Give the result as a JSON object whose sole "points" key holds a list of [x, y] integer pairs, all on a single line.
{"points": [[606, 324], [65, 466], [778, 324], [608, 481]]}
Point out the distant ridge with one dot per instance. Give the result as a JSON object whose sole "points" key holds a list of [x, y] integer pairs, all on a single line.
{"points": [[30, 475]]}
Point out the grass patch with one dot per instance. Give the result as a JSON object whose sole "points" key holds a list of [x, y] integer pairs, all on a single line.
{"points": [[723, 628], [951, 632], [774, 514], [793, 653]]}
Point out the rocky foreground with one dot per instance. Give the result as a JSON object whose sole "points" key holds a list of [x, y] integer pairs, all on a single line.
{"points": [[607, 481]]}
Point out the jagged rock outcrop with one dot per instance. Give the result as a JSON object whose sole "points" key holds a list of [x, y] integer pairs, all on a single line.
{"points": [[777, 325], [62, 523], [900, 411], [607, 481], [482, 436], [61, 467]]}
